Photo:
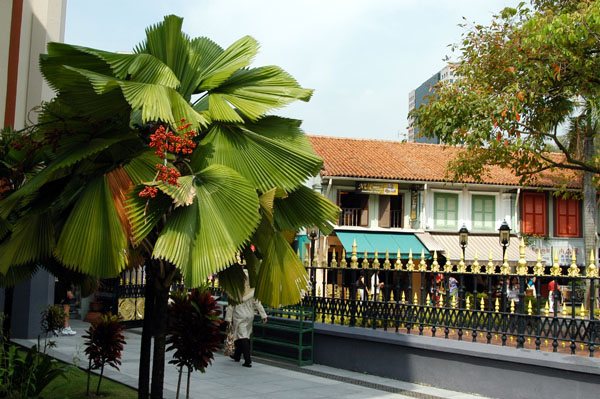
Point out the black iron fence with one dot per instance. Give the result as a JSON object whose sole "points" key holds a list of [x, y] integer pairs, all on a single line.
{"points": [[533, 306]]}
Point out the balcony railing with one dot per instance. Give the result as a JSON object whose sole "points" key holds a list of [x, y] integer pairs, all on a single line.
{"points": [[350, 217]]}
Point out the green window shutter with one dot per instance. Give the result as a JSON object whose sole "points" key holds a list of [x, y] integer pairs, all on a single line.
{"points": [[445, 211], [483, 214]]}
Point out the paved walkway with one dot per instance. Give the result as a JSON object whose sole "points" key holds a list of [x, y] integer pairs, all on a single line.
{"points": [[266, 379]]}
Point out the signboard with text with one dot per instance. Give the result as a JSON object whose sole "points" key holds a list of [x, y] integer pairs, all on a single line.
{"points": [[377, 188]]}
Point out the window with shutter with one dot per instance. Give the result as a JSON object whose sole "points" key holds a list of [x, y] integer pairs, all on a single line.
{"points": [[384, 210], [533, 213], [445, 211], [483, 214], [567, 217]]}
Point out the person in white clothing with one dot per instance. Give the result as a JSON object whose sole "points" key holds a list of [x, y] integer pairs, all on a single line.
{"points": [[242, 316], [376, 285]]}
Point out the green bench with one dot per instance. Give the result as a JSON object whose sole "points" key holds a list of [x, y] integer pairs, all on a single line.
{"points": [[287, 335]]}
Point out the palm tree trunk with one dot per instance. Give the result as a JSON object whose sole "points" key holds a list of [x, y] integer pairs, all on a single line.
{"points": [[187, 389], [146, 344], [179, 381], [162, 287]]}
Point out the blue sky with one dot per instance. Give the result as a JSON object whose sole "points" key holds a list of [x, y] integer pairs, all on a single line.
{"points": [[361, 57]]}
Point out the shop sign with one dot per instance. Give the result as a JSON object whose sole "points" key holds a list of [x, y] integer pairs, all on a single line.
{"points": [[377, 188]]}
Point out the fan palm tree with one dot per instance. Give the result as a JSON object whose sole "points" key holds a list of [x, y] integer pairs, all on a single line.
{"points": [[167, 157]]}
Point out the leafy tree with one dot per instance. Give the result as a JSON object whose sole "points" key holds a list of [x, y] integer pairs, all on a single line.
{"points": [[521, 79], [167, 157]]}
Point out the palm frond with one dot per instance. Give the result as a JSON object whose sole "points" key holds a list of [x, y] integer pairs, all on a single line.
{"points": [[18, 274], [92, 239], [145, 213], [183, 194], [204, 237], [266, 162], [237, 56], [143, 167], [281, 278], [253, 92], [32, 239], [305, 207], [232, 280]]}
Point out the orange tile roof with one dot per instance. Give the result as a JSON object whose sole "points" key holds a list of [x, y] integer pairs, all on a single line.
{"points": [[395, 160]]}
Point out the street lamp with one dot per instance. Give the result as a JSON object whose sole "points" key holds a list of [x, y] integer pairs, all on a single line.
{"points": [[504, 236], [312, 234], [463, 238]]}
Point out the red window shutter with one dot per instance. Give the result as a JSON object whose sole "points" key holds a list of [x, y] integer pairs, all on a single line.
{"points": [[533, 213], [567, 217]]}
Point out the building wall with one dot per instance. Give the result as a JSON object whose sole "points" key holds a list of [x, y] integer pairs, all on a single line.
{"points": [[420, 92], [42, 21]]}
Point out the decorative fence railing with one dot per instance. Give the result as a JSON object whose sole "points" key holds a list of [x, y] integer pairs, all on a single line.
{"points": [[461, 301]]}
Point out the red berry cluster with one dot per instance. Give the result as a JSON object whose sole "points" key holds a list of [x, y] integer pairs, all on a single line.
{"points": [[164, 141], [148, 192], [168, 175]]}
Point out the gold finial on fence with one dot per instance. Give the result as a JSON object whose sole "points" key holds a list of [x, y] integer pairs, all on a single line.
{"points": [[337, 293], [512, 306], [453, 303], [365, 262], [415, 299], [547, 309], [448, 266], [441, 301], [422, 264], [529, 308], [468, 303], [398, 264], [376, 260], [428, 299], [505, 268], [392, 295], [592, 270], [306, 259], [319, 291], [435, 266], [573, 270], [462, 267], [482, 304], [491, 268], [354, 258], [380, 296], [358, 295], [410, 266], [555, 270], [333, 260], [538, 269], [343, 261], [403, 297], [564, 311], [497, 305], [475, 268], [582, 311], [522, 264], [386, 263], [315, 261]]}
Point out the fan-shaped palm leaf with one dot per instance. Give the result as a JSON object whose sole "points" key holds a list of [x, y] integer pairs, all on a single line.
{"points": [[183, 194], [32, 239], [143, 167], [305, 207], [281, 276], [265, 161], [145, 213], [232, 281], [92, 239], [252, 92], [202, 238]]}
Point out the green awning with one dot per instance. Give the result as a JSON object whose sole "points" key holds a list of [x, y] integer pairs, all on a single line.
{"points": [[372, 241]]}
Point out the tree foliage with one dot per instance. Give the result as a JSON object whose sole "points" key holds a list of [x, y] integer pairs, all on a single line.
{"points": [[519, 80]]}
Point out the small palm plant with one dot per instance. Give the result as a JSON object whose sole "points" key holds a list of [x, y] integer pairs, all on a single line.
{"points": [[104, 343], [194, 331]]}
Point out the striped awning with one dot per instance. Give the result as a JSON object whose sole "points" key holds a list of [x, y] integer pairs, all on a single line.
{"points": [[380, 242], [482, 244]]}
